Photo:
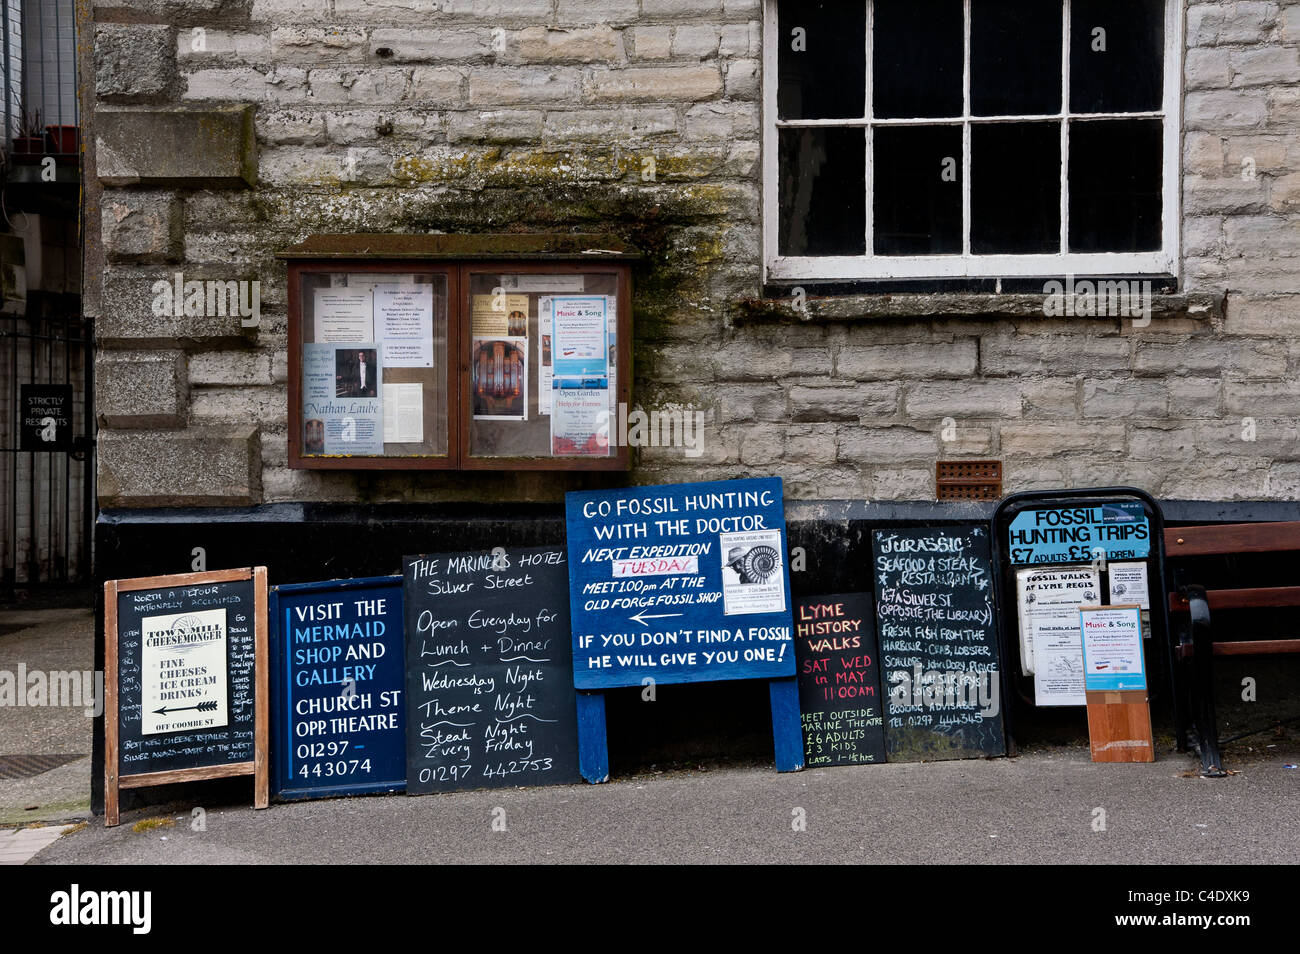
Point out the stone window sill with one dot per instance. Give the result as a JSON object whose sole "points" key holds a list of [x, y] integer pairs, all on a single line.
{"points": [[1204, 306]]}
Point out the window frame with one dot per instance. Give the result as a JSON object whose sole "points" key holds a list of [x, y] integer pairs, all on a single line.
{"points": [[459, 335], [1165, 261]]}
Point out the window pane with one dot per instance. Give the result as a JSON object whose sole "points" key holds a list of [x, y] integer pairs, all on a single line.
{"points": [[1015, 53], [1116, 55], [823, 192], [822, 60], [1015, 173], [1115, 202], [917, 58], [917, 190]]}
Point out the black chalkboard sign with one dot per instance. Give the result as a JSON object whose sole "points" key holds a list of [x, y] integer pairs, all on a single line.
{"points": [[839, 680], [186, 680], [938, 643], [489, 672]]}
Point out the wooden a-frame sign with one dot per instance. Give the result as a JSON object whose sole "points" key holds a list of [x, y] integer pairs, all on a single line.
{"points": [[224, 734]]}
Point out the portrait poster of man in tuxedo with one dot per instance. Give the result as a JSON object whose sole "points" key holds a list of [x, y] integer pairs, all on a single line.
{"points": [[356, 371]]}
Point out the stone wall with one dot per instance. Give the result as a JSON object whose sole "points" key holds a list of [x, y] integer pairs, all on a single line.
{"points": [[225, 131]]}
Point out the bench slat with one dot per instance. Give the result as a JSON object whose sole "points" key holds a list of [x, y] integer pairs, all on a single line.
{"points": [[1232, 538], [1264, 597], [1248, 647], [1257, 647]]}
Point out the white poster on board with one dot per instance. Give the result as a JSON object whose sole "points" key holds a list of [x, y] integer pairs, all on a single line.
{"points": [[580, 422], [343, 315], [752, 581], [543, 283], [545, 333], [1128, 584], [342, 399], [404, 324], [1043, 587], [183, 672], [580, 346], [403, 413], [1058, 656]]}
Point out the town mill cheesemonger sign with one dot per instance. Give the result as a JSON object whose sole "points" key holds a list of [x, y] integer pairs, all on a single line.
{"points": [[185, 673]]}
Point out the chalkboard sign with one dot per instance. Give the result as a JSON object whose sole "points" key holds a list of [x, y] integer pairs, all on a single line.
{"points": [[489, 671], [339, 662], [839, 680], [185, 660], [679, 583], [938, 643]]}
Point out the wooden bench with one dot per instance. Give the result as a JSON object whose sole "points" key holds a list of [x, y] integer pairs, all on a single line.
{"points": [[1190, 606]]}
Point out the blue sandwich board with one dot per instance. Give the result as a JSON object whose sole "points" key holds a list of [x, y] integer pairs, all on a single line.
{"points": [[680, 583], [338, 681]]}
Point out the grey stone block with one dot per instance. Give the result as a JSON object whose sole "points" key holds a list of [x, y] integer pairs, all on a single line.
{"points": [[141, 226], [196, 467], [211, 147], [132, 300], [133, 62], [140, 389]]}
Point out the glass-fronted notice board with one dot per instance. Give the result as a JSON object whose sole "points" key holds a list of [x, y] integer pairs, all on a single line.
{"points": [[409, 358]]}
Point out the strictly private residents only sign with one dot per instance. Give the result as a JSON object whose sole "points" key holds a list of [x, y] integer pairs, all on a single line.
{"points": [[679, 583], [1113, 531]]}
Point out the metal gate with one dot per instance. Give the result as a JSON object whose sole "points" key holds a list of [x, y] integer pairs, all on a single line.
{"points": [[48, 496]]}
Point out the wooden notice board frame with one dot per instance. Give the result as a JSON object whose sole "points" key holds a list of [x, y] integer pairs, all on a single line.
{"points": [[259, 767]]}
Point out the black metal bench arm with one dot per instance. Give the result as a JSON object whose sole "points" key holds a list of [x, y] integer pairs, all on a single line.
{"points": [[1207, 726]]}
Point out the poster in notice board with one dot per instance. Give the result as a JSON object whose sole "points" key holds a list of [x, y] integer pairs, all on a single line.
{"points": [[339, 663], [939, 660], [839, 680], [489, 691]]}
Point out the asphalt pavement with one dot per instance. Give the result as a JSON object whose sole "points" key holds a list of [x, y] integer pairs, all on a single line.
{"points": [[57, 644], [1053, 806]]}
